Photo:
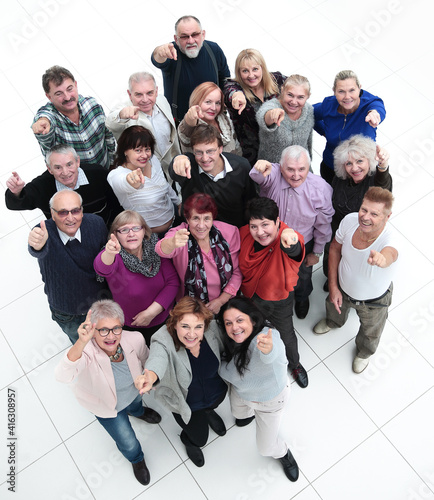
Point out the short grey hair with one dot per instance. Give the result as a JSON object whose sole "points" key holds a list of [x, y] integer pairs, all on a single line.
{"points": [[53, 198], [107, 308], [358, 146], [295, 153], [344, 75], [62, 149], [140, 76], [186, 18]]}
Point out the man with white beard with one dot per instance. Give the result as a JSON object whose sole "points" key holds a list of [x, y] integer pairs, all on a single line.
{"points": [[187, 63]]}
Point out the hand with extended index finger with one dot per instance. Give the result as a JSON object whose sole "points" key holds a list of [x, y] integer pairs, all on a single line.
{"points": [[239, 101], [15, 184], [41, 126], [181, 238], [275, 115], [373, 118], [382, 156], [86, 330], [113, 247], [263, 167], [193, 115], [145, 382], [165, 51], [129, 113], [136, 178], [264, 342], [288, 237], [38, 236], [182, 166]]}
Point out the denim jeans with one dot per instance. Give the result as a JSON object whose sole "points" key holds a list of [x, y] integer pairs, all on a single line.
{"points": [[121, 431], [69, 323]]}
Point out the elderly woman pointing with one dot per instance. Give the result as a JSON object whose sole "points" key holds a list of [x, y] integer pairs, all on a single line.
{"points": [[103, 363]]}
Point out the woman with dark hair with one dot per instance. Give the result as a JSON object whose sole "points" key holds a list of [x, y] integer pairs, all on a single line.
{"points": [[183, 365], [204, 252], [144, 285], [138, 180], [206, 105], [254, 364]]}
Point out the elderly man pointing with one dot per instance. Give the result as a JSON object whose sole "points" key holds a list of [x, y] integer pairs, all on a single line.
{"points": [[361, 268]]}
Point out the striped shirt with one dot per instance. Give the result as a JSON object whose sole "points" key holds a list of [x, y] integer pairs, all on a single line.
{"points": [[91, 139]]}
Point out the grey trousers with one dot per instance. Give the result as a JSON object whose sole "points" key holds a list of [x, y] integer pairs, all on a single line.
{"points": [[267, 417], [372, 316]]}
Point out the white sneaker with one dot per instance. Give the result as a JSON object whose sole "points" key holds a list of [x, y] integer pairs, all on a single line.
{"points": [[359, 364], [321, 327]]}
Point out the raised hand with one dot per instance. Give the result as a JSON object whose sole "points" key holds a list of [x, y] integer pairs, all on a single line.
{"points": [[136, 178], [41, 126], [288, 237], [182, 166], [382, 156], [275, 115], [145, 382], [264, 342], [239, 101], [15, 184], [113, 247], [38, 236], [180, 239], [129, 113], [165, 51], [264, 167], [193, 115], [377, 259], [86, 330], [373, 118]]}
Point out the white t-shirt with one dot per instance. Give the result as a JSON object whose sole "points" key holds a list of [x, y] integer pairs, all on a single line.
{"points": [[153, 200], [357, 278]]}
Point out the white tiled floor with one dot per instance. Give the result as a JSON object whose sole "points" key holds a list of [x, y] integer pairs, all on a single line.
{"points": [[355, 437]]}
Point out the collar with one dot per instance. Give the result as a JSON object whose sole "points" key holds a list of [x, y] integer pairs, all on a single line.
{"points": [[65, 237], [221, 175], [81, 181]]}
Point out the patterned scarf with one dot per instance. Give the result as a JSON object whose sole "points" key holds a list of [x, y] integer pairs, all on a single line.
{"points": [[195, 276], [150, 263]]}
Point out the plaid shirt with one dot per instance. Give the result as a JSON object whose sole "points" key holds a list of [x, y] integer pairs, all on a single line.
{"points": [[91, 139]]}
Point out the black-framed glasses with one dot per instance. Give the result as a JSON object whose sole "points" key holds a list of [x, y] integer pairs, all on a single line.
{"points": [[126, 230], [117, 330], [65, 213]]}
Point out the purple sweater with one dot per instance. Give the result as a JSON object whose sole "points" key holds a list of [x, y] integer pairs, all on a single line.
{"points": [[135, 292]]}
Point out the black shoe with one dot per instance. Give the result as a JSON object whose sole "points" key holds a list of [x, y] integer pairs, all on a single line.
{"points": [[242, 422], [302, 308], [141, 472], [290, 467], [300, 376], [194, 453], [150, 416], [326, 286], [216, 423]]}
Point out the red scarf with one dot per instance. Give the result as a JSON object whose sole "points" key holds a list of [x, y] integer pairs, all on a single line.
{"points": [[270, 273]]}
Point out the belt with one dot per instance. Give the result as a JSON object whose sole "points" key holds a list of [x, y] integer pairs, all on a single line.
{"points": [[369, 301]]}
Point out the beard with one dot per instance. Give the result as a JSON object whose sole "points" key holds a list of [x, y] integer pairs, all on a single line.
{"points": [[192, 52]]}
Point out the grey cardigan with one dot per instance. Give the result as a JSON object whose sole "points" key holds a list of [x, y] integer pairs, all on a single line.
{"points": [[174, 370], [273, 140]]}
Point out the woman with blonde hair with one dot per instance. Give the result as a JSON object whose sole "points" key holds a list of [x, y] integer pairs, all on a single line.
{"points": [[252, 86], [206, 106], [287, 120]]}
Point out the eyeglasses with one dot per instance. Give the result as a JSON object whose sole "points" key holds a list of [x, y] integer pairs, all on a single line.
{"points": [[193, 35], [64, 213], [117, 330], [208, 152], [126, 230]]}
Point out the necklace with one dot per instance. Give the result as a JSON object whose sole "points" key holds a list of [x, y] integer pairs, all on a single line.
{"points": [[117, 354], [367, 241]]}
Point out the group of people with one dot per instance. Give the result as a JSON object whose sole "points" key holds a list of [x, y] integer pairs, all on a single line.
{"points": [[182, 231]]}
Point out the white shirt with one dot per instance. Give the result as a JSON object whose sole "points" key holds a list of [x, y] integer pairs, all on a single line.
{"points": [[357, 278], [221, 175]]}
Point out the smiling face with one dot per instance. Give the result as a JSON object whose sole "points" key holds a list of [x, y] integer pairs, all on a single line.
{"points": [[372, 218], [144, 94], [357, 169], [138, 157], [208, 157], [347, 93], [110, 343], [64, 168], [200, 225], [238, 325], [211, 105], [295, 171], [190, 330], [131, 241], [251, 74], [64, 97], [189, 38], [264, 231], [293, 99], [67, 200]]}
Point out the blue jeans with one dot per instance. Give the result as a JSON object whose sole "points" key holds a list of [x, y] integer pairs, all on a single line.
{"points": [[69, 323], [121, 431]]}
